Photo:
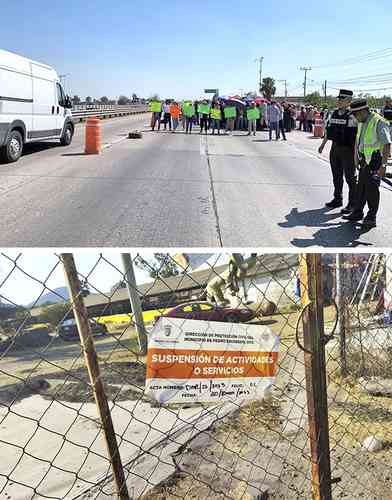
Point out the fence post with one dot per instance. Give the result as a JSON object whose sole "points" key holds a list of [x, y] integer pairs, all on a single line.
{"points": [[315, 371], [135, 301], [90, 355]]}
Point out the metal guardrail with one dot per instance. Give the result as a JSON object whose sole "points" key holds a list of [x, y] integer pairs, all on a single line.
{"points": [[81, 112]]}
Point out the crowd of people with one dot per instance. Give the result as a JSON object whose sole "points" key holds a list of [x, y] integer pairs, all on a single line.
{"points": [[221, 115], [360, 136]]}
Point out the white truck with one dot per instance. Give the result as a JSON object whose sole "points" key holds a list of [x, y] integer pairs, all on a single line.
{"points": [[33, 106]]}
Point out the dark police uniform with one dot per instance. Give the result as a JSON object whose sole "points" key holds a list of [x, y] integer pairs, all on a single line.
{"points": [[342, 131], [387, 113]]}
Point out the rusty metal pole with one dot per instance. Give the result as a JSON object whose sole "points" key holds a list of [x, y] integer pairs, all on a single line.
{"points": [[91, 359], [311, 275]]}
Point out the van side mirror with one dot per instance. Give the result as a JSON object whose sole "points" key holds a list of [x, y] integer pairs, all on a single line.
{"points": [[68, 103]]}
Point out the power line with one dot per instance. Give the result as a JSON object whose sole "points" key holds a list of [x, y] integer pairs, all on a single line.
{"points": [[370, 57], [364, 90], [381, 77]]}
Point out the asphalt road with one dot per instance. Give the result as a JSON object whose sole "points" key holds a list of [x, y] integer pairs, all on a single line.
{"points": [[177, 190]]}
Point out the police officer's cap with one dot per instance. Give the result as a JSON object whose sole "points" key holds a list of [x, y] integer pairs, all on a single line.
{"points": [[359, 105], [344, 94]]}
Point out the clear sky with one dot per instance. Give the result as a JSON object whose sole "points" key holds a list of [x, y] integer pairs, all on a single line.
{"points": [[23, 283], [179, 47]]}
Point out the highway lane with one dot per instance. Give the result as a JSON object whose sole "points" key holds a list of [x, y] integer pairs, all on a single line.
{"points": [[176, 190]]}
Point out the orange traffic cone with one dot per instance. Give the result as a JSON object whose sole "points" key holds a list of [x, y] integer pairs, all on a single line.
{"points": [[318, 126], [93, 136]]}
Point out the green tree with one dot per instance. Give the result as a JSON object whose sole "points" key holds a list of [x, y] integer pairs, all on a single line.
{"points": [[76, 100], [89, 100], [268, 88], [117, 286], [104, 100], [122, 100], [161, 266], [55, 313], [314, 99]]}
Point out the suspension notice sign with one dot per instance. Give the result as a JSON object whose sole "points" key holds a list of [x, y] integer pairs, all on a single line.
{"points": [[190, 360]]}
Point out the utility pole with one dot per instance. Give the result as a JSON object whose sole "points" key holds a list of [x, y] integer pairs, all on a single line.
{"points": [[305, 79], [62, 79], [285, 87], [325, 92], [260, 61], [135, 301]]}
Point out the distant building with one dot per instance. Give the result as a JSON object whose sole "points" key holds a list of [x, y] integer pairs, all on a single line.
{"points": [[7, 311], [272, 278]]}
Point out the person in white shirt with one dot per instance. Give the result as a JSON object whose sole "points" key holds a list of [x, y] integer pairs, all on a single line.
{"points": [[166, 114]]}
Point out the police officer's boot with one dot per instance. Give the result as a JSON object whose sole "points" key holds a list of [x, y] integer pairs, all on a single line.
{"points": [[355, 216], [369, 221], [335, 203], [347, 210]]}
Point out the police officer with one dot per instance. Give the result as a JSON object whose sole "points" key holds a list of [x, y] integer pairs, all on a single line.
{"points": [[341, 129], [387, 110], [373, 147]]}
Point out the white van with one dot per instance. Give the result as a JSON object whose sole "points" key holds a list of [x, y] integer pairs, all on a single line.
{"points": [[33, 105]]}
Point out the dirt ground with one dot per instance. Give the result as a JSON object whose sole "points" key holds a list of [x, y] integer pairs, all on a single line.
{"points": [[262, 449]]}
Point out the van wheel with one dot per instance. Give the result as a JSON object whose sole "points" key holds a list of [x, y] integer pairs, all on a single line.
{"points": [[66, 138], [12, 151]]}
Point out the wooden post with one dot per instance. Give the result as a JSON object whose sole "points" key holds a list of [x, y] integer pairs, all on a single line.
{"points": [[311, 274], [90, 356]]}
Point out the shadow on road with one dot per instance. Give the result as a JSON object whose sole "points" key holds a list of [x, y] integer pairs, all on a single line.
{"points": [[344, 235], [36, 147], [317, 217], [74, 154], [330, 234]]}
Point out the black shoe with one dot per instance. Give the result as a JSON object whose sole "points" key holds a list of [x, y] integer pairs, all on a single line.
{"points": [[369, 222], [334, 203], [354, 217], [347, 210]]}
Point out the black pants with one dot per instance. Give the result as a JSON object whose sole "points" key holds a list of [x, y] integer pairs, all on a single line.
{"points": [[281, 129], [189, 123], [167, 120], [287, 123], [368, 192], [203, 123], [343, 166]]}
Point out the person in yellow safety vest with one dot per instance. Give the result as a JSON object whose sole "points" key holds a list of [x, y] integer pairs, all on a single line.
{"points": [[156, 109], [372, 150]]}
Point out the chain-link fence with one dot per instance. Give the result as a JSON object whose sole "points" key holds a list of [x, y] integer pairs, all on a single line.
{"points": [[359, 370], [79, 417]]}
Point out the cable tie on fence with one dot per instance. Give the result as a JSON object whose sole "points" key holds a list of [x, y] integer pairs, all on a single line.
{"points": [[297, 326], [325, 338]]}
